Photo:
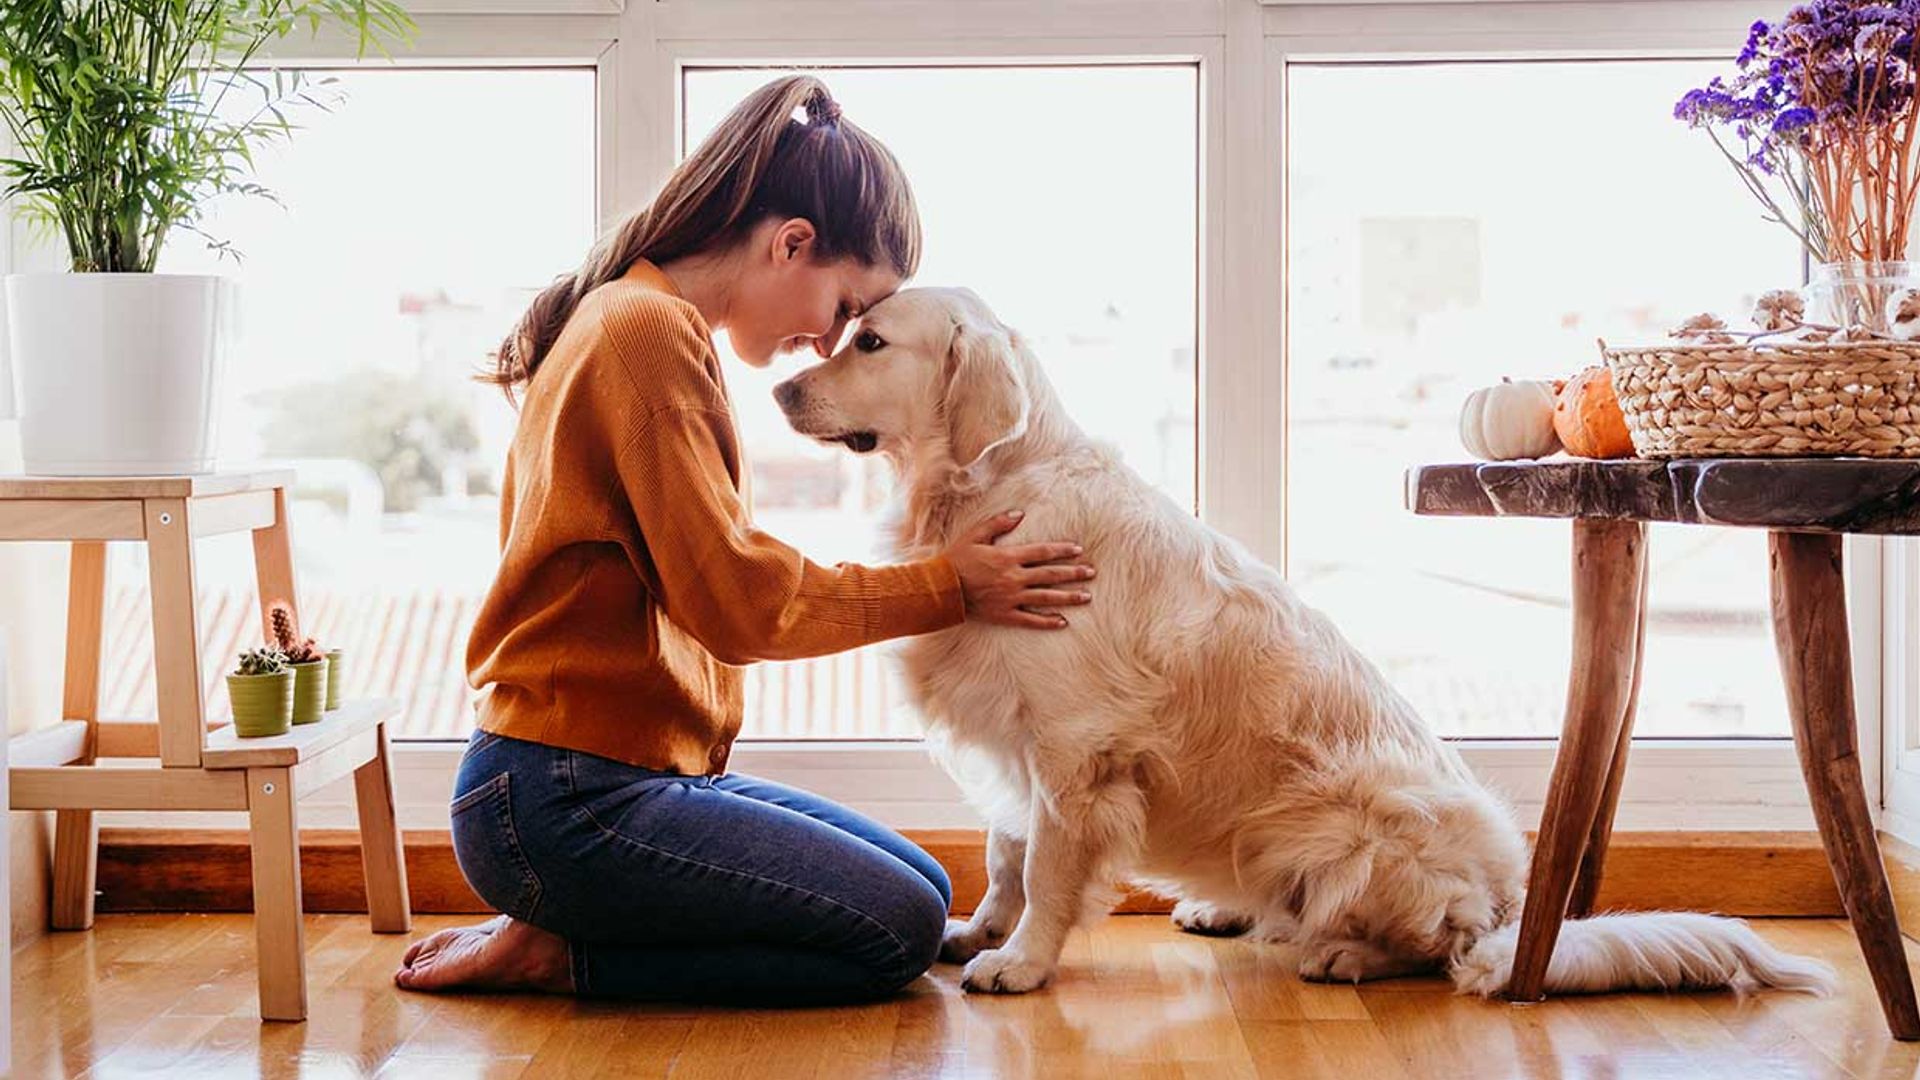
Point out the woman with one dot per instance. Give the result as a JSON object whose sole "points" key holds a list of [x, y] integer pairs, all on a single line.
{"points": [[593, 807]]}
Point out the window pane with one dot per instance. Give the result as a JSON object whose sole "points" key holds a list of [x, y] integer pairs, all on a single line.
{"points": [[422, 210], [1067, 198], [1423, 264]]}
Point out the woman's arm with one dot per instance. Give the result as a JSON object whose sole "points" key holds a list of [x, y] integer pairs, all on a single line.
{"points": [[747, 596]]}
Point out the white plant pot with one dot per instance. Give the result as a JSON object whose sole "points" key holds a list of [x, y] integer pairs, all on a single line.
{"points": [[118, 374]]}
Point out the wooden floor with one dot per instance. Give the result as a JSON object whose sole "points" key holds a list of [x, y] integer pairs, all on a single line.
{"points": [[174, 995]]}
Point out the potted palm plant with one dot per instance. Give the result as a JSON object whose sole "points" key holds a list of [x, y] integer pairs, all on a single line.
{"points": [[126, 116]]}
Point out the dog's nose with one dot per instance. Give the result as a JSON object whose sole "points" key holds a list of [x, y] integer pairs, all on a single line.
{"points": [[788, 393]]}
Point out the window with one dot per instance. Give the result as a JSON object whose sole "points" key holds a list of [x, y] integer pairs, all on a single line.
{"points": [[422, 211], [1086, 245], [1062, 155], [1453, 223]]}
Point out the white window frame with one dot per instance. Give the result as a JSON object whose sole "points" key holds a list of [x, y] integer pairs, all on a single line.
{"points": [[1899, 757], [1241, 47]]}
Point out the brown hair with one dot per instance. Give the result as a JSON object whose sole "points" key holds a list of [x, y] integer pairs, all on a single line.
{"points": [[759, 163]]}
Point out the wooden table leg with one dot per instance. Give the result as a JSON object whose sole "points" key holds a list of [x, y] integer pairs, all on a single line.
{"points": [[76, 839], [1810, 631], [1586, 886], [382, 856], [1609, 566]]}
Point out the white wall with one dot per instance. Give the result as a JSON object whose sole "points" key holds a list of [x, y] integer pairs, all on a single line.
{"points": [[32, 617], [6, 955], [32, 576]]}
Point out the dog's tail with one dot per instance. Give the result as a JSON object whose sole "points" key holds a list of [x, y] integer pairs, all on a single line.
{"points": [[1667, 950]]}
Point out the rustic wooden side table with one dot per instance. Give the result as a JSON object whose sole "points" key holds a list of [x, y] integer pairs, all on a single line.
{"points": [[59, 767], [1807, 505]]}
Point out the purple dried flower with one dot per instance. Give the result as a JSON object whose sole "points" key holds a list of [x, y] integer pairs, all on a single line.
{"points": [[1754, 36], [1793, 120], [1704, 106], [1832, 82], [1875, 38]]}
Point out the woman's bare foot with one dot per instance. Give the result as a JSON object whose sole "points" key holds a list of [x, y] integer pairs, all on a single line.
{"points": [[502, 954]]}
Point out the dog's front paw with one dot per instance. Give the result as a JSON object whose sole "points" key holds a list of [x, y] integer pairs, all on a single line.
{"points": [[964, 940], [1005, 971]]}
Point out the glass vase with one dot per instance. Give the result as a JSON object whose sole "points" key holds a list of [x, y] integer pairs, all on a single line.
{"points": [[1855, 293]]}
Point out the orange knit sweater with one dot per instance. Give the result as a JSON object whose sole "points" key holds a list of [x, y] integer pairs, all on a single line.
{"points": [[631, 580]]}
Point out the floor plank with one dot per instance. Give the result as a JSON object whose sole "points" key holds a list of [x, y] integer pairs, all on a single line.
{"points": [[174, 995]]}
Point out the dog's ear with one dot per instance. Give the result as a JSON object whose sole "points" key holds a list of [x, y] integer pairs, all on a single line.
{"points": [[986, 401]]}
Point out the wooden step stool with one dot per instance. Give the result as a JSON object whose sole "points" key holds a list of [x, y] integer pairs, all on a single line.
{"points": [[59, 768]]}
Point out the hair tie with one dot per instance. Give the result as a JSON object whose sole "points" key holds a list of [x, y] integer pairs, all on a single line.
{"points": [[823, 110]]}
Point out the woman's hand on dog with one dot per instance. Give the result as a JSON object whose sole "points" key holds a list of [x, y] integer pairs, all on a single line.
{"points": [[1019, 584]]}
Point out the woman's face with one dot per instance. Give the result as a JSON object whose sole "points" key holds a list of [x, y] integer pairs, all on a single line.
{"points": [[784, 300]]}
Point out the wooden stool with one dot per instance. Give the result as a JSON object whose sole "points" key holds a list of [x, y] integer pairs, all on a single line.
{"points": [[58, 768], [1807, 504]]}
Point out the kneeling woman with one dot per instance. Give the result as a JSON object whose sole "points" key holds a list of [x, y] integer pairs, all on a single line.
{"points": [[593, 807]]}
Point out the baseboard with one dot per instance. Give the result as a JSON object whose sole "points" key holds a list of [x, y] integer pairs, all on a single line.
{"points": [[1735, 873]]}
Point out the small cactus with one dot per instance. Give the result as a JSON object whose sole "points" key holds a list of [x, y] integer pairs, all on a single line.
{"points": [[304, 651], [281, 617], [267, 661]]}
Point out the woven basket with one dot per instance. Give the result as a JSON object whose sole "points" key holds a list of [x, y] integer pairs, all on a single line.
{"points": [[1773, 399]]}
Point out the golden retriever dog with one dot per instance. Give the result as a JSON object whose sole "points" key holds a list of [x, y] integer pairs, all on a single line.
{"points": [[1197, 729]]}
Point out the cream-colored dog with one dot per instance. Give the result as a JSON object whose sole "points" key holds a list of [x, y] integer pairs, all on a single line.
{"points": [[1197, 729]]}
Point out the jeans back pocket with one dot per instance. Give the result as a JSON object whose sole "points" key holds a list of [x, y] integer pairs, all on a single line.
{"points": [[488, 848]]}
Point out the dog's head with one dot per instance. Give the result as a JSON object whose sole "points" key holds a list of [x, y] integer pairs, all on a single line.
{"points": [[925, 368]]}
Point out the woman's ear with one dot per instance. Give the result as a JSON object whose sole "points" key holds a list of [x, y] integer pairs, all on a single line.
{"points": [[986, 402], [793, 240]]}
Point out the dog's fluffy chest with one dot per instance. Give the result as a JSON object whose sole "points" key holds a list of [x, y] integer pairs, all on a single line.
{"points": [[965, 685]]}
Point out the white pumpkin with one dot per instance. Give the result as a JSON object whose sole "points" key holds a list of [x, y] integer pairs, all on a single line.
{"points": [[1509, 421]]}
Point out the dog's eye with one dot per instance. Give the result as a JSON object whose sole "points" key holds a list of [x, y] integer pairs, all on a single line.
{"points": [[868, 341]]}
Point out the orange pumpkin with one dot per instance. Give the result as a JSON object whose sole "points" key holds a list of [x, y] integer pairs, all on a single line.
{"points": [[1587, 417]]}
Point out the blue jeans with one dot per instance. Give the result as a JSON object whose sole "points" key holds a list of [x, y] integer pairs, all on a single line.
{"points": [[694, 888]]}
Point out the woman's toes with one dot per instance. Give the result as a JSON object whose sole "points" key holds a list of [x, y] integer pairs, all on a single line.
{"points": [[445, 959], [498, 955]]}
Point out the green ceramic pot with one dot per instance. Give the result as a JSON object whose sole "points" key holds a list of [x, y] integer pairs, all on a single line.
{"points": [[309, 691], [262, 704], [336, 679]]}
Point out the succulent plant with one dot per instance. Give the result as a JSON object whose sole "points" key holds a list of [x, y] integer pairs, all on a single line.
{"points": [[301, 651], [267, 661]]}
